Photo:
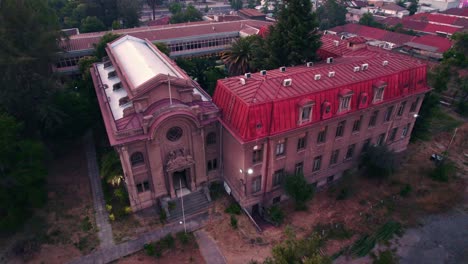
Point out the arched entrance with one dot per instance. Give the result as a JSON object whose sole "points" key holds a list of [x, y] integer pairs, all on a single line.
{"points": [[180, 181]]}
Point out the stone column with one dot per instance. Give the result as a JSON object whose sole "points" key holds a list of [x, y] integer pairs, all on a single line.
{"points": [[128, 174]]}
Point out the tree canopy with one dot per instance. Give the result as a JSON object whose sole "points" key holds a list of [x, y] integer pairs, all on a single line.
{"points": [[190, 14], [297, 187], [331, 14], [379, 162], [294, 39]]}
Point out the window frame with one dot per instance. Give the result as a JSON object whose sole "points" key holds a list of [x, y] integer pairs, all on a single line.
{"points": [[345, 103], [280, 148], [309, 106], [393, 133], [299, 168], [401, 108], [373, 118], [322, 135], [388, 113], [133, 158], [317, 163], [379, 92], [380, 140], [357, 125], [334, 156], [301, 143], [210, 139], [257, 155], [257, 180], [350, 152], [340, 129], [278, 177]]}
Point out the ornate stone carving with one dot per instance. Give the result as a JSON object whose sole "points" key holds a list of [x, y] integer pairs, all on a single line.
{"points": [[178, 159]]}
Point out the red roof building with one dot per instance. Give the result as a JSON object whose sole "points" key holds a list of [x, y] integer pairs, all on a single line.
{"points": [[423, 26], [457, 12]]}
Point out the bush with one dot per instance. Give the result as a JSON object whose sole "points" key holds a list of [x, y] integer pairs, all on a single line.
{"points": [[149, 249], [386, 257], [162, 216], [216, 190], [108, 208], [443, 171], [379, 162], [299, 190], [234, 222], [275, 214], [333, 231], [234, 209], [184, 238], [168, 241], [120, 194], [128, 210], [86, 224], [406, 190], [112, 217]]}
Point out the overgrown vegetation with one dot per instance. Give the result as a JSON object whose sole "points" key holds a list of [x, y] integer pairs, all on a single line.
{"points": [[379, 162], [366, 243], [333, 231], [443, 171], [275, 215], [168, 243], [297, 187], [216, 190], [179, 15], [234, 209], [233, 221], [386, 257]]}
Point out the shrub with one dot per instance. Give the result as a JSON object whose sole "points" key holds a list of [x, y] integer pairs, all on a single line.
{"points": [[216, 190], [112, 217], [234, 209], [168, 241], [333, 231], [276, 215], [234, 222], [162, 216], [184, 238], [386, 257], [108, 207], [86, 224], [128, 210], [406, 190], [299, 190], [379, 162], [149, 249], [443, 171], [120, 194]]}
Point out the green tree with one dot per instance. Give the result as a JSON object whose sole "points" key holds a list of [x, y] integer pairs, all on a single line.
{"points": [[111, 168], [251, 4], [379, 162], [331, 14], [368, 20], [92, 24], [22, 175], [163, 48], [202, 70], [413, 7], [175, 8], [100, 47], [299, 190], [236, 4], [152, 4], [129, 12], [294, 39], [265, 9], [237, 58], [190, 14], [423, 123]]}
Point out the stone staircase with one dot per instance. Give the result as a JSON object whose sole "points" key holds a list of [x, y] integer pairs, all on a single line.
{"points": [[194, 203]]}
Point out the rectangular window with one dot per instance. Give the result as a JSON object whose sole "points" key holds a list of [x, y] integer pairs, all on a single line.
{"points": [[414, 105], [366, 145], [256, 184], [405, 130], [378, 94], [380, 139], [350, 151], [317, 163], [299, 168], [301, 142], [322, 135], [330, 178], [373, 118], [212, 165], [340, 129], [357, 124], [278, 177], [393, 134], [276, 200], [345, 103], [388, 114], [306, 113], [280, 148], [334, 156], [257, 156], [401, 109], [143, 187]]}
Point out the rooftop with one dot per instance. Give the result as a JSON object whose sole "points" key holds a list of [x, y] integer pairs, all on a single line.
{"points": [[373, 33], [431, 43], [251, 12], [462, 12]]}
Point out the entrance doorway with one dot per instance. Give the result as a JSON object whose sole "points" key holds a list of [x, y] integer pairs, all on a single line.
{"points": [[179, 180]]}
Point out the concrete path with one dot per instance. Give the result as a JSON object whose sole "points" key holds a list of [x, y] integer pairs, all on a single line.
{"points": [[101, 214], [112, 253], [209, 249]]}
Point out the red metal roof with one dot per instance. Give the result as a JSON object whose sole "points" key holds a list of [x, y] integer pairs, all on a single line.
{"points": [[427, 17], [333, 46], [442, 44], [154, 33], [421, 26], [264, 106], [373, 33], [160, 21], [462, 12], [251, 12]]}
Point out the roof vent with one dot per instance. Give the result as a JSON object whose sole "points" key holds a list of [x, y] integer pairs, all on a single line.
{"points": [[107, 64], [282, 69], [336, 42], [331, 74], [248, 75], [287, 82], [242, 81], [330, 60], [263, 72], [117, 86], [317, 77], [111, 74], [343, 37], [364, 66], [385, 63], [325, 32], [356, 69], [310, 64]]}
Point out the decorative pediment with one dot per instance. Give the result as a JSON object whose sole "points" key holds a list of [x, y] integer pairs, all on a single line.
{"points": [[178, 160]]}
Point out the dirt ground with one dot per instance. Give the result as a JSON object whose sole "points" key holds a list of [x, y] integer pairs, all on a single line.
{"points": [[64, 228], [371, 204]]}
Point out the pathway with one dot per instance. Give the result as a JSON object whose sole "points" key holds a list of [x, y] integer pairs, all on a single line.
{"points": [[209, 249], [112, 253], [101, 215]]}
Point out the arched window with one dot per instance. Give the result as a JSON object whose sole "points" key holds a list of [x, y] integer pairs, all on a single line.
{"points": [[211, 138], [137, 158]]}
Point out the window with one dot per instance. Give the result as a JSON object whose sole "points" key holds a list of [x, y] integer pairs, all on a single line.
{"points": [[373, 118], [388, 114], [334, 156], [278, 177], [393, 134], [306, 113], [350, 151], [366, 145], [401, 109], [211, 138], [174, 133], [124, 100], [414, 105], [317, 163], [340, 129], [357, 124], [322, 135], [299, 168], [379, 93], [280, 148], [405, 130], [143, 186], [256, 184], [257, 156], [212, 165], [111, 74], [277, 200], [301, 142], [330, 178], [345, 103], [117, 86], [137, 158], [380, 139]]}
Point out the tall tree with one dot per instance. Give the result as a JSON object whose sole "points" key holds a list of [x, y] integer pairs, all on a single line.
{"points": [[368, 20], [294, 39], [299, 190], [236, 4], [251, 4], [129, 12], [238, 57], [152, 4], [413, 7], [92, 24], [331, 14]]}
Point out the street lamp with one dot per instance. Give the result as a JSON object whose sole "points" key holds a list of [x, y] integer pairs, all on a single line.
{"points": [[243, 179], [415, 115]]}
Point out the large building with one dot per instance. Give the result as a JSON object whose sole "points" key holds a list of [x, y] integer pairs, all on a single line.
{"points": [[314, 119]]}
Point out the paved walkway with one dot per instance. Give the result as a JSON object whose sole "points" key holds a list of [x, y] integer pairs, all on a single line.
{"points": [[101, 215], [209, 249], [106, 255]]}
